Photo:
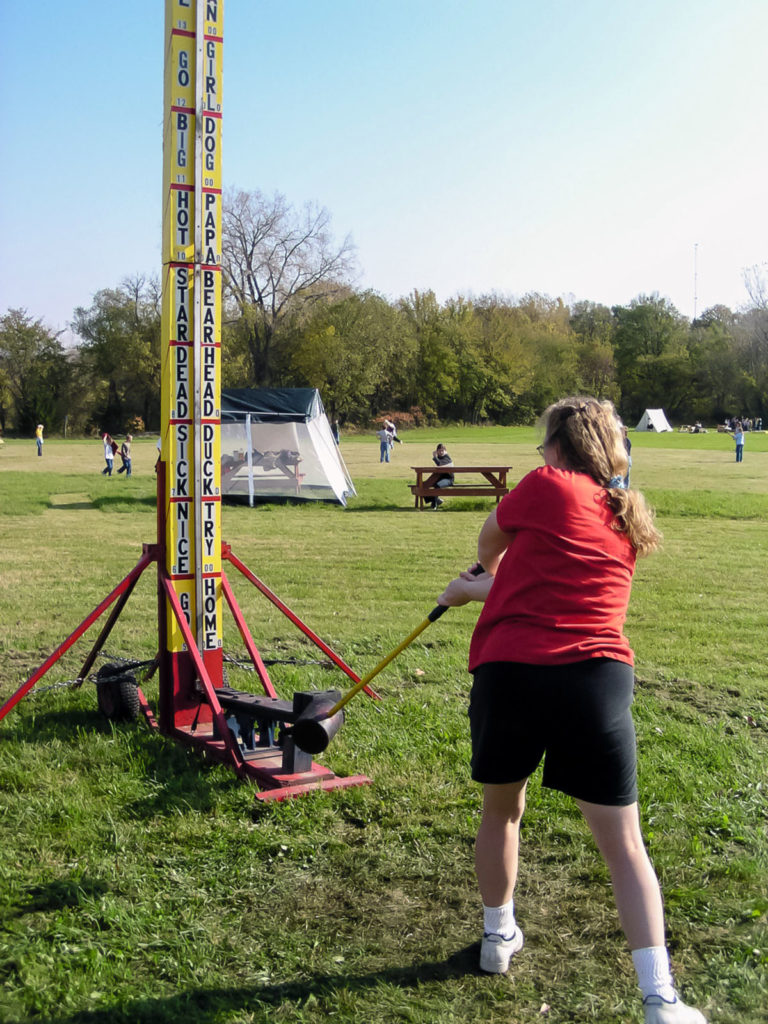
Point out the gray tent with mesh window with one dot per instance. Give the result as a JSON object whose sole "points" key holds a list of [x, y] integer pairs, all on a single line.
{"points": [[277, 443]]}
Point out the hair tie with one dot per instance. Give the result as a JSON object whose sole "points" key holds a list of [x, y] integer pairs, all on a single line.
{"points": [[616, 483]]}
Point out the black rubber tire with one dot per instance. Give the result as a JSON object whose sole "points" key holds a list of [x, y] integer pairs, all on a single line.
{"points": [[118, 697]]}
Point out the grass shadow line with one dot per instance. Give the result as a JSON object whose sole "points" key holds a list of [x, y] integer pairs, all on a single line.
{"points": [[57, 894], [107, 502], [204, 1005]]}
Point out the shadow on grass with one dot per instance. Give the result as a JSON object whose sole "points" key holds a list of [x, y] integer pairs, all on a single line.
{"points": [[215, 1004], [462, 505], [115, 502], [182, 777], [71, 506], [63, 892]]}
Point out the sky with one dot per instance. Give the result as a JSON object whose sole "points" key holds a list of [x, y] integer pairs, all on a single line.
{"points": [[595, 150]]}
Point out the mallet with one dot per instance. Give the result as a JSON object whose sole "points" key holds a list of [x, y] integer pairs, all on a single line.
{"points": [[314, 732]]}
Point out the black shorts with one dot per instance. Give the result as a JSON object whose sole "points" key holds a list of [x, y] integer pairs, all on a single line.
{"points": [[576, 716]]}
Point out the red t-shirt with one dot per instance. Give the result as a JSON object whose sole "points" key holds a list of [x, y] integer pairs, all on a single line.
{"points": [[562, 588]]}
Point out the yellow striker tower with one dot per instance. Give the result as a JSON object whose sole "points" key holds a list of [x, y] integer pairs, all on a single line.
{"points": [[191, 344]]}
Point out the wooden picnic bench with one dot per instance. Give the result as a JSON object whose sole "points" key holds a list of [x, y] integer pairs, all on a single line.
{"points": [[494, 483]]}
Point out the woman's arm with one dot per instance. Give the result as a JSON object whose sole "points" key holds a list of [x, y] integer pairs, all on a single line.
{"points": [[492, 543], [466, 588]]}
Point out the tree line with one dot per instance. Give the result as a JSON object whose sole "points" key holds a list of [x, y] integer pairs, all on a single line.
{"points": [[292, 317]]}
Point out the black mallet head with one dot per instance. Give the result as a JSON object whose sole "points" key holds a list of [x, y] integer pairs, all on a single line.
{"points": [[313, 730]]}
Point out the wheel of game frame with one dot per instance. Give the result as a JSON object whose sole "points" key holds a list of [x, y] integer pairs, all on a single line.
{"points": [[118, 697]]}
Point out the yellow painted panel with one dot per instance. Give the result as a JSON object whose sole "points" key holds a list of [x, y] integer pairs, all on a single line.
{"points": [[179, 225], [211, 612], [179, 147], [186, 591]]}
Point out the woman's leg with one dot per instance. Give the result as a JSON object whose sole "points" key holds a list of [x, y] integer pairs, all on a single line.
{"points": [[638, 899], [498, 842], [496, 855], [616, 831]]}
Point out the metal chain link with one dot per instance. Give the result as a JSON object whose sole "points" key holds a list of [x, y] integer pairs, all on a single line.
{"points": [[38, 690], [248, 667]]}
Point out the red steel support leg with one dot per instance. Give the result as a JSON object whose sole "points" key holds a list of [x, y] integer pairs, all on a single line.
{"points": [[205, 679], [102, 638], [124, 584], [237, 615]]}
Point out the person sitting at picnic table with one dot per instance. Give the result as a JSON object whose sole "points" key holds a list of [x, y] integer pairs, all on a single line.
{"points": [[440, 457]]}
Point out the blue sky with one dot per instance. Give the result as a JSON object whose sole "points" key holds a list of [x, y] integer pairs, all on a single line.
{"points": [[573, 148]]}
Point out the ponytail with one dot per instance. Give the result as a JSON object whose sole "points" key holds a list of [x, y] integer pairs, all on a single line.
{"points": [[633, 517], [588, 434]]}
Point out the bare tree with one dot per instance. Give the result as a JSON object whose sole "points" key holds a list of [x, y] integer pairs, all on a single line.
{"points": [[277, 261], [756, 285]]}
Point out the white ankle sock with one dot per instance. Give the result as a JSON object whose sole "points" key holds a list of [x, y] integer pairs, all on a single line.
{"points": [[500, 920], [653, 972]]}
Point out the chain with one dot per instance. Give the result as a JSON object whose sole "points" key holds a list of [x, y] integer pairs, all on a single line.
{"points": [[248, 667], [37, 691], [130, 663]]}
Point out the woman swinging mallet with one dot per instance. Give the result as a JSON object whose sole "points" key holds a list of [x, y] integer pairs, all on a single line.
{"points": [[553, 679]]}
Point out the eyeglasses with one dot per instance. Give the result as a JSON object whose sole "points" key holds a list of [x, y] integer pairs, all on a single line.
{"points": [[540, 450]]}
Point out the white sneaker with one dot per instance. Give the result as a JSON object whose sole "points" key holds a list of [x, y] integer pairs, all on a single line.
{"points": [[496, 952], [661, 1011]]}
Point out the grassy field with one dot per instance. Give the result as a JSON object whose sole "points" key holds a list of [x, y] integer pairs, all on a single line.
{"points": [[139, 884]]}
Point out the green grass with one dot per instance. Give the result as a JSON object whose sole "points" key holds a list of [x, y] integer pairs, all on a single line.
{"points": [[140, 884]]}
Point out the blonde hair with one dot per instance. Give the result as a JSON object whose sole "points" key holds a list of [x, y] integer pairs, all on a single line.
{"points": [[589, 436]]}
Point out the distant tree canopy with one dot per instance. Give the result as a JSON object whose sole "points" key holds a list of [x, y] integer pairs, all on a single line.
{"points": [[119, 359], [34, 374], [293, 318], [278, 263]]}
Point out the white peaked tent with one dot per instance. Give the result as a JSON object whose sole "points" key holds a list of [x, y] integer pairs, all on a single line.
{"points": [[653, 419], [277, 443]]}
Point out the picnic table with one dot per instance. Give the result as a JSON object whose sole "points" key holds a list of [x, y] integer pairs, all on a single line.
{"points": [[494, 482]]}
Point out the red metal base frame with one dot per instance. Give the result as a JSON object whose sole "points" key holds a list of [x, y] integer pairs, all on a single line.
{"points": [[264, 767]]}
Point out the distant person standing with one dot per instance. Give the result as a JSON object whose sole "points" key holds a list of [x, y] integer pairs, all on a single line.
{"points": [[738, 440], [628, 446], [391, 430], [384, 445], [109, 454], [39, 439], [125, 455]]}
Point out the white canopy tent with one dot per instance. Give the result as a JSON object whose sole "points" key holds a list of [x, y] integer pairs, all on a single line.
{"points": [[653, 419], [277, 443]]}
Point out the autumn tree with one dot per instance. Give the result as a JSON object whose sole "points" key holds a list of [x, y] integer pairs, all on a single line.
{"points": [[717, 374], [592, 325], [34, 373], [278, 262], [356, 353], [120, 353], [652, 358]]}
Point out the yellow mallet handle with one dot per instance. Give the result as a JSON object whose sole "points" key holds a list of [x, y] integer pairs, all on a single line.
{"points": [[375, 671], [435, 614]]}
